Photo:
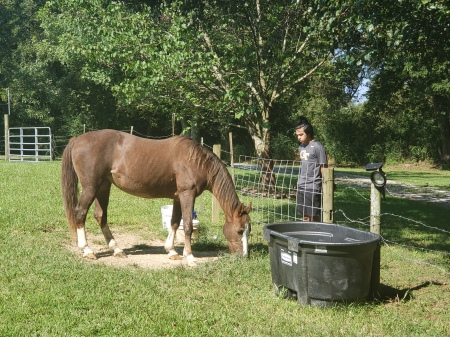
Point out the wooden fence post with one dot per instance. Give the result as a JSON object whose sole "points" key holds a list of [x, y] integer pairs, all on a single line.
{"points": [[375, 210], [328, 195], [230, 136], [215, 203]]}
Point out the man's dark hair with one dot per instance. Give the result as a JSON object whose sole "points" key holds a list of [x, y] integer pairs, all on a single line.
{"points": [[306, 126]]}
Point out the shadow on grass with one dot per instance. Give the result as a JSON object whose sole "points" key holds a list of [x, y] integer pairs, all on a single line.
{"points": [[387, 294], [143, 249]]}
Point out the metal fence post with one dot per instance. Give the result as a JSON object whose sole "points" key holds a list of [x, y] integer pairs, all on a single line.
{"points": [[6, 137]]}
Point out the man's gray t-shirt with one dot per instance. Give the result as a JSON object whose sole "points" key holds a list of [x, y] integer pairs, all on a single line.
{"points": [[312, 156]]}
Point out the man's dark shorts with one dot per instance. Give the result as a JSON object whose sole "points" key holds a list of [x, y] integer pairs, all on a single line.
{"points": [[308, 203]]}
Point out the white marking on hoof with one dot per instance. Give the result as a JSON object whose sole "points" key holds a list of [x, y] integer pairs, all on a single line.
{"points": [[173, 255], [81, 238], [245, 241], [169, 245], [112, 244], [191, 261], [89, 254], [119, 253]]}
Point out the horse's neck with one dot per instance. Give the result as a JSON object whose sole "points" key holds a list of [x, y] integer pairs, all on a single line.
{"points": [[226, 196]]}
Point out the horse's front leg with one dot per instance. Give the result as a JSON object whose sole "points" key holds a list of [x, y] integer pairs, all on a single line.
{"points": [[187, 202], [175, 223], [187, 224], [170, 245]]}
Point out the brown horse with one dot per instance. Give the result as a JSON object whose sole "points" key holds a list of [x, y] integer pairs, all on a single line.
{"points": [[176, 168]]}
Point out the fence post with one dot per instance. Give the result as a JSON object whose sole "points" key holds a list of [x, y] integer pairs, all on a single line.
{"points": [[375, 209], [328, 195], [6, 137], [215, 203], [230, 136]]}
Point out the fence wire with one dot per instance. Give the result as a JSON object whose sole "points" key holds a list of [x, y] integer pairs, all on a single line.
{"points": [[271, 186], [279, 203]]}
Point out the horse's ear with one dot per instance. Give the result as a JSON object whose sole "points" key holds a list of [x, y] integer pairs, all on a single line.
{"points": [[238, 211], [248, 208], [241, 209]]}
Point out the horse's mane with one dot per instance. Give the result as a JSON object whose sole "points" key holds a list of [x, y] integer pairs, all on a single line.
{"points": [[219, 180]]}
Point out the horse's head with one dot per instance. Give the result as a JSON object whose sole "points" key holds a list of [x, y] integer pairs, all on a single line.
{"points": [[237, 230]]}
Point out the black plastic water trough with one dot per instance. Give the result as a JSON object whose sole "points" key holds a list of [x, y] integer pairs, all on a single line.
{"points": [[323, 264]]}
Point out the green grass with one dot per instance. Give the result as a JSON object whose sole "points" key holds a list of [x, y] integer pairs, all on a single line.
{"points": [[47, 290]]}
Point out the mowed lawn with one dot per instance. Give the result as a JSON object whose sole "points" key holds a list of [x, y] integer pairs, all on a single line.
{"points": [[48, 290]]}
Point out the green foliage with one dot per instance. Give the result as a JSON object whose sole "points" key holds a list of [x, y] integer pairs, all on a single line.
{"points": [[210, 60], [283, 147], [216, 64], [409, 46]]}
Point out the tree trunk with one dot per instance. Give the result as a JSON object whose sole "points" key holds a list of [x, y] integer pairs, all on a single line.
{"points": [[444, 125], [190, 129], [443, 118], [261, 140]]}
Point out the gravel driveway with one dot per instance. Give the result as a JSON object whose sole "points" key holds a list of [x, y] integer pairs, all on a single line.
{"points": [[396, 189]]}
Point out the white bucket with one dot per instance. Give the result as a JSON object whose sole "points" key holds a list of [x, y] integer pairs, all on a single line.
{"points": [[180, 232], [166, 214]]}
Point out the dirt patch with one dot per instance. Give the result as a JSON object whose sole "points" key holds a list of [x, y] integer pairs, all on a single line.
{"points": [[141, 253]]}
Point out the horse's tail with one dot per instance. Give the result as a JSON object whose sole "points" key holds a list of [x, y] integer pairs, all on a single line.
{"points": [[69, 187]]}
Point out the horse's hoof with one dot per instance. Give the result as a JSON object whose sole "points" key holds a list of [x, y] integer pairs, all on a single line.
{"points": [[121, 255], [175, 257], [90, 256], [191, 261]]}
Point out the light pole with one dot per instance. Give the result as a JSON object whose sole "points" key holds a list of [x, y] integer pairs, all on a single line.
{"points": [[377, 188]]}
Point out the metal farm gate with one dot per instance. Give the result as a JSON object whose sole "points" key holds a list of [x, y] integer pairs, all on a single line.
{"points": [[30, 144]]}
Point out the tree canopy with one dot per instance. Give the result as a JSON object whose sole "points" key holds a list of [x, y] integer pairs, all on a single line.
{"points": [[215, 65]]}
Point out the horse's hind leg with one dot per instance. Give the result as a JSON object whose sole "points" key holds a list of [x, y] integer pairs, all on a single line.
{"points": [[101, 215], [85, 201]]}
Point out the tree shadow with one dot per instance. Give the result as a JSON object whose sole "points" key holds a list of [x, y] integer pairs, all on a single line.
{"points": [[144, 249]]}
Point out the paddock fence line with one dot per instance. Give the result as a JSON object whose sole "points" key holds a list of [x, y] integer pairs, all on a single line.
{"points": [[271, 185], [281, 204], [394, 224], [58, 142]]}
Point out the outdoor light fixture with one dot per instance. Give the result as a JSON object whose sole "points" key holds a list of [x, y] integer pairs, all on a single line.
{"points": [[378, 177]]}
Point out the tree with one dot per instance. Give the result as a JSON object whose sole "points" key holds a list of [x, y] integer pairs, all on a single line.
{"points": [[407, 44], [43, 92], [220, 60], [265, 53]]}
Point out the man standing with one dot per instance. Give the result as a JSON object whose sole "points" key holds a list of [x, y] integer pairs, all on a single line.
{"points": [[313, 158]]}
